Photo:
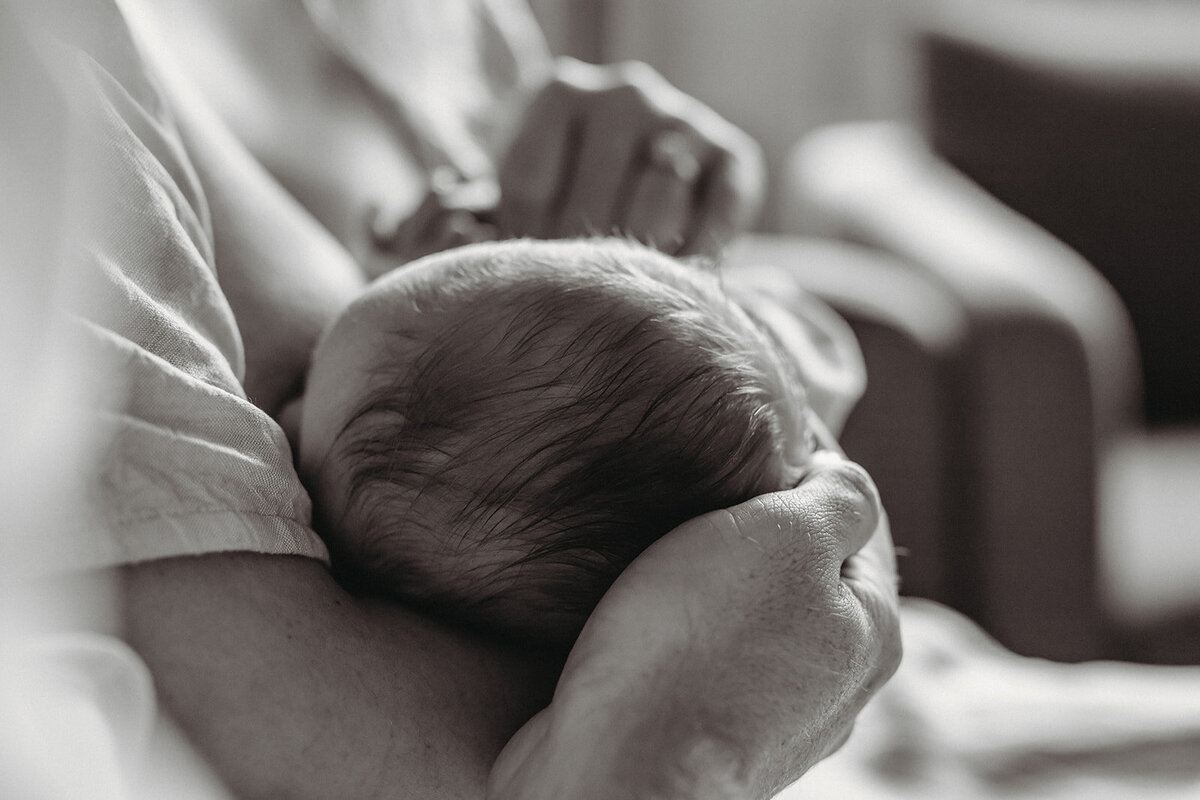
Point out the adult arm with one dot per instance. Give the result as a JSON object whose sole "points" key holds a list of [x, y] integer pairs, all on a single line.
{"points": [[729, 658], [604, 150], [291, 688], [286, 683]]}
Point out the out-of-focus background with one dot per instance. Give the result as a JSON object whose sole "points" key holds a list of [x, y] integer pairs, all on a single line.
{"points": [[1001, 197], [1018, 184]]}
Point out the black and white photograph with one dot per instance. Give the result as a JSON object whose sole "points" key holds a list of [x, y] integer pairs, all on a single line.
{"points": [[600, 399]]}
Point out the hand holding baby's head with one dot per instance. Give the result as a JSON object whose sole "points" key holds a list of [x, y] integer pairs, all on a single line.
{"points": [[493, 433]]}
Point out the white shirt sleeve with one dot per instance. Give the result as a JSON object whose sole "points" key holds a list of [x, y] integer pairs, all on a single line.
{"points": [[187, 464]]}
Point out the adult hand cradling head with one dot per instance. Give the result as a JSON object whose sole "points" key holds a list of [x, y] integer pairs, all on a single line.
{"points": [[729, 631], [713, 648]]}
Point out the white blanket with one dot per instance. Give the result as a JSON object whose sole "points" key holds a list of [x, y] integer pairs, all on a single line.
{"points": [[966, 719]]}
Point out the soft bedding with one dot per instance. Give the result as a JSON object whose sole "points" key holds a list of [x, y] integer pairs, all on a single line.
{"points": [[968, 720]]}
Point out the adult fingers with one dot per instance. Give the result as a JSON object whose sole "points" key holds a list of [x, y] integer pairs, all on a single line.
{"points": [[870, 576], [395, 234], [538, 163], [604, 154], [620, 108], [455, 229], [663, 187], [431, 229], [836, 506], [729, 192], [505, 779]]}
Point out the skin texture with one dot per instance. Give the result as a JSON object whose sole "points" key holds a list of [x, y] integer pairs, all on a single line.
{"points": [[292, 688], [729, 658], [731, 655], [738, 650], [578, 163], [581, 163]]}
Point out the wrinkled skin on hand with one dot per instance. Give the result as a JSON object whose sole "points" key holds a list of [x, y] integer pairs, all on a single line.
{"points": [[729, 658], [601, 150], [617, 149]]}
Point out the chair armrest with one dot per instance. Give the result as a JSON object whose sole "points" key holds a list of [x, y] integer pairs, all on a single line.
{"points": [[1048, 373]]}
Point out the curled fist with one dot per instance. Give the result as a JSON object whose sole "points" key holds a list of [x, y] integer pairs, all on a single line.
{"points": [[618, 150], [728, 658]]}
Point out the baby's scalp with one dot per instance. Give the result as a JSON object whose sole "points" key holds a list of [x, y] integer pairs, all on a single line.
{"points": [[554, 407]]}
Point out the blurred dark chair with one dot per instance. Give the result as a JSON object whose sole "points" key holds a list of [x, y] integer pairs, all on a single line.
{"points": [[1051, 191]]}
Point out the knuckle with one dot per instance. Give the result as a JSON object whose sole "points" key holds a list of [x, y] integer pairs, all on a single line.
{"points": [[741, 143], [637, 86], [627, 97], [572, 71], [572, 77], [560, 89], [638, 74], [854, 492]]}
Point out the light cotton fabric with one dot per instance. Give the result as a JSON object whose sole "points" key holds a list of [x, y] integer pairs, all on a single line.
{"points": [[188, 464]]}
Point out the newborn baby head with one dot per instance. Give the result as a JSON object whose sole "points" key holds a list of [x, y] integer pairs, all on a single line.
{"points": [[494, 432]]}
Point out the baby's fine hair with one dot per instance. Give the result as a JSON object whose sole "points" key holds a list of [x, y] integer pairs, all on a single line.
{"points": [[584, 399]]}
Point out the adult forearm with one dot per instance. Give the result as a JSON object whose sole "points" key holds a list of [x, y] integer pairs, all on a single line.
{"points": [[292, 688]]}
